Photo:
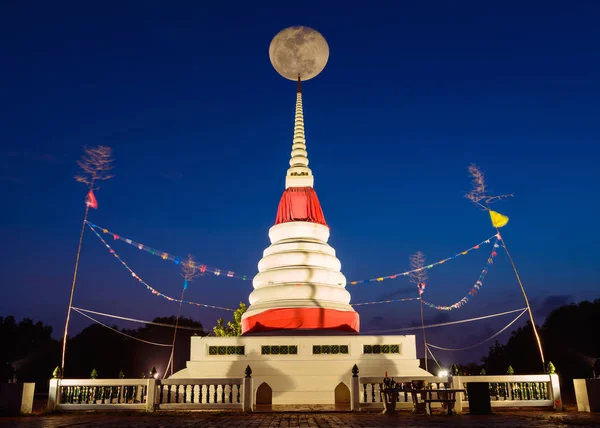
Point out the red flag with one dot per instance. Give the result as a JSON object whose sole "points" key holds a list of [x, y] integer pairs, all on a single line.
{"points": [[90, 200]]}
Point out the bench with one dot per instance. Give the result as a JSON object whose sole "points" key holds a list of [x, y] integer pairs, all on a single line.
{"points": [[422, 398], [449, 402]]}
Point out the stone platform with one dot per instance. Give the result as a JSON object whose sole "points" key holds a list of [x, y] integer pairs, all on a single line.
{"points": [[298, 369]]}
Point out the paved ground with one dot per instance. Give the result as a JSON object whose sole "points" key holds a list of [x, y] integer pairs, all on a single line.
{"points": [[526, 419]]}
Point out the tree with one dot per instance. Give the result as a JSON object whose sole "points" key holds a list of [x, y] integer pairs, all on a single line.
{"points": [[479, 193], [233, 328], [189, 269], [28, 352], [571, 343], [519, 351], [110, 353], [95, 165], [146, 356], [418, 273]]}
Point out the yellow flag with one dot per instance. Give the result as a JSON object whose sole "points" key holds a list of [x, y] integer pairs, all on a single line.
{"points": [[498, 220]]}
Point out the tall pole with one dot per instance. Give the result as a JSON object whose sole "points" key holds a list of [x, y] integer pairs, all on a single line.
{"points": [[64, 347], [423, 327], [535, 332], [171, 363]]}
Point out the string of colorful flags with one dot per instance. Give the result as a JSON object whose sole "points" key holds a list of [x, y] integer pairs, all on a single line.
{"points": [[216, 271], [166, 256], [148, 287], [475, 289], [385, 301], [421, 288], [381, 278]]}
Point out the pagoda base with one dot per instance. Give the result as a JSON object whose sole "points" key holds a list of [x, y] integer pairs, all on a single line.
{"points": [[292, 319], [301, 369]]}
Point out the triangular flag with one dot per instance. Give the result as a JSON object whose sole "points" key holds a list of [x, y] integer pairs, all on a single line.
{"points": [[498, 220], [90, 200]]}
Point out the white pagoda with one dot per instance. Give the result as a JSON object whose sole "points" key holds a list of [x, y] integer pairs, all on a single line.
{"points": [[300, 334], [299, 285]]}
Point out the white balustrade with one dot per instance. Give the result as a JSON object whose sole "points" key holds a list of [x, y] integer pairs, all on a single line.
{"points": [[150, 394], [370, 390], [505, 391]]}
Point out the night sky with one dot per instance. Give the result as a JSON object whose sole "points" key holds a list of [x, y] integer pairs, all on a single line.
{"points": [[201, 127]]}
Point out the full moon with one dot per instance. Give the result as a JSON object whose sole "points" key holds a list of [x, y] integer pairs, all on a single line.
{"points": [[299, 51]]}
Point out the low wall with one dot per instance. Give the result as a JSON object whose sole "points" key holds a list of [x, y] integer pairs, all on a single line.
{"points": [[150, 394], [237, 393], [505, 391], [16, 398], [587, 394]]}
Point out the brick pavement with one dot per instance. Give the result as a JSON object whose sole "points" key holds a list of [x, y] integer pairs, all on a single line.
{"points": [[527, 419]]}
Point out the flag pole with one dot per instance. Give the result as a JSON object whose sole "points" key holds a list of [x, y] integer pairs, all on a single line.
{"points": [[64, 347], [497, 226], [423, 327], [535, 332], [171, 363], [95, 164]]}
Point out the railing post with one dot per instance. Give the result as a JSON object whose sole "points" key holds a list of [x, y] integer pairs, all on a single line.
{"points": [[247, 403], [151, 394], [456, 383], [138, 394], [555, 393], [581, 395], [354, 391], [53, 394]]}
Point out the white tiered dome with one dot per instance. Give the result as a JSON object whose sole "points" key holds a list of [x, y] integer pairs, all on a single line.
{"points": [[299, 269]]}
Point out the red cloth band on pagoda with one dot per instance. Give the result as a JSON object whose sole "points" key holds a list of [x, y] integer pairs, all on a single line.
{"points": [[302, 318], [300, 204]]}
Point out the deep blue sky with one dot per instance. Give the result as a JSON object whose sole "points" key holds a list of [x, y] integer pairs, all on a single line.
{"points": [[201, 127]]}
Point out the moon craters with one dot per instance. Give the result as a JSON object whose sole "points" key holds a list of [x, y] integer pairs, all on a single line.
{"points": [[299, 51]]}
